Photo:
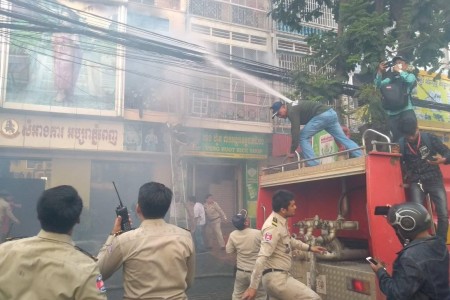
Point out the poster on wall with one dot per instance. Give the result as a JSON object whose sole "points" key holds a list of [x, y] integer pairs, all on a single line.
{"points": [[251, 187], [143, 137], [435, 90], [66, 63], [323, 144]]}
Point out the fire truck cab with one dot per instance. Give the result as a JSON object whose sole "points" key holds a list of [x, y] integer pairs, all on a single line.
{"points": [[336, 208]]}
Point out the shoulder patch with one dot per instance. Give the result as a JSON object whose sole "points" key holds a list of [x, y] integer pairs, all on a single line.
{"points": [[86, 253], [274, 222], [267, 237], [100, 284]]}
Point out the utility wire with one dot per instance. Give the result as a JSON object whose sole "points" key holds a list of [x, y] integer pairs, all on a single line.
{"points": [[133, 41]]}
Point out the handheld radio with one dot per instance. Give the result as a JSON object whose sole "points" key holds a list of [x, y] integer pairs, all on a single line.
{"points": [[123, 212]]}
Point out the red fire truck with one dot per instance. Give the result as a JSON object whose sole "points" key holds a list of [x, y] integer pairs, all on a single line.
{"points": [[335, 208]]}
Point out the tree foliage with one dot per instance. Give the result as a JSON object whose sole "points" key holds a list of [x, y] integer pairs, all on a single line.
{"points": [[369, 31]]}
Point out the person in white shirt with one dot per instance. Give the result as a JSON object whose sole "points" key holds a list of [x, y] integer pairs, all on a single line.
{"points": [[199, 221]]}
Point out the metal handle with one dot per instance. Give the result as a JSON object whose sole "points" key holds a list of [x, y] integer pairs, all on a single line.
{"points": [[264, 211], [283, 164], [378, 133]]}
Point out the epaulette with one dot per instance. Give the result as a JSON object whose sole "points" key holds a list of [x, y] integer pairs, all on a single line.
{"points": [[274, 222], [86, 253], [14, 238]]}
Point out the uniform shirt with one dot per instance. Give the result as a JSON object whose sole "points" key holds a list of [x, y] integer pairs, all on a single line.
{"points": [[246, 244], [48, 266], [158, 260], [190, 211], [199, 212], [213, 212], [276, 248], [5, 210], [300, 113]]}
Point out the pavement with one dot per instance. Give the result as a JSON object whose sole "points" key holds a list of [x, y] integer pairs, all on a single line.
{"points": [[214, 278]]}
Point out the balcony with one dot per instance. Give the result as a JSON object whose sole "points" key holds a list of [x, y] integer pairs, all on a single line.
{"points": [[204, 107], [230, 13], [170, 4]]}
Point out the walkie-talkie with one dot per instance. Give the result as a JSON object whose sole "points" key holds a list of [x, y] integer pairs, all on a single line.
{"points": [[123, 212]]}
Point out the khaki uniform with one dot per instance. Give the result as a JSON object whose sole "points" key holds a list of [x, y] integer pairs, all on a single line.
{"points": [[48, 266], [245, 243], [191, 219], [158, 260], [214, 215], [5, 212], [276, 253]]}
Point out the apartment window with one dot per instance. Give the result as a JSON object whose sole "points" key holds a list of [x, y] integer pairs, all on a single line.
{"points": [[206, 8], [244, 12]]}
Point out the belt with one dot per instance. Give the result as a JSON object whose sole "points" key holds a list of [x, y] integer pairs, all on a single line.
{"points": [[243, 270], [272, 270]]}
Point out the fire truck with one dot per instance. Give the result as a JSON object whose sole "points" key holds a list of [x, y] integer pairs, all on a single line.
{"points": [[336, 204]]}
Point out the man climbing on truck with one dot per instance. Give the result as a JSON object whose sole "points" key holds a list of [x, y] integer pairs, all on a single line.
{"points": [[422, 153]]}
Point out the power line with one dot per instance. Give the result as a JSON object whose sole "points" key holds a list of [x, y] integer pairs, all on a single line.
{"points": [[159, 43]]}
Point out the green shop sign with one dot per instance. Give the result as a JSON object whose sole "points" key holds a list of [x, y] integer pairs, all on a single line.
{"points": [[229, 144]]}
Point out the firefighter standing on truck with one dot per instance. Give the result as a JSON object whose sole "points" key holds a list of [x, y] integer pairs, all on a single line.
{"points": [[275, 256]]}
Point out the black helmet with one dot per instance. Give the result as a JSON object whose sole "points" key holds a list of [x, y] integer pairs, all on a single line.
{"points": [[408, 220], [239, 219]]}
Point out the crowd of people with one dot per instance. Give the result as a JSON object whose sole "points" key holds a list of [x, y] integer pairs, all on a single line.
{"points": [[264, 257]]}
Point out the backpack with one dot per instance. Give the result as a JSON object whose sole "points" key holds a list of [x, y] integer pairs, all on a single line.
{"points": [[394, 95]]}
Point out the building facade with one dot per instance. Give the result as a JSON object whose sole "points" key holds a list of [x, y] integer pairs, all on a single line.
{"points": [[142, 90]]}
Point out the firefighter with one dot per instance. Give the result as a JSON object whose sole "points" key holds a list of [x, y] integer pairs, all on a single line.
{"points": [[245, 242], [421, 267], [6, 214], [214, 218], [48, 266], [275, 256], [158, 258]]}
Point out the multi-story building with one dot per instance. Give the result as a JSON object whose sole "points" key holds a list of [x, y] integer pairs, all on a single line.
{"points": [[141, 90]]}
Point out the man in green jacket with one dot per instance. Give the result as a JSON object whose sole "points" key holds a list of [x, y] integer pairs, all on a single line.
{"points": [[398, 72]]}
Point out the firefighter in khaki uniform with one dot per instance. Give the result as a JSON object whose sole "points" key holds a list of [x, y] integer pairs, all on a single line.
{"points": [[214, 215], [275, 256], [49, 266], [158, 259], [6, 215], [245, 242]]}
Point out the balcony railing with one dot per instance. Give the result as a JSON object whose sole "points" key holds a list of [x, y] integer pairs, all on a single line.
{"points": [[171, 4], [230, 13]]}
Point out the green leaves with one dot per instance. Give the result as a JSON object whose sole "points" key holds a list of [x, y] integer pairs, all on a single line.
{"points": [[372, 31], [369, 31]]}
